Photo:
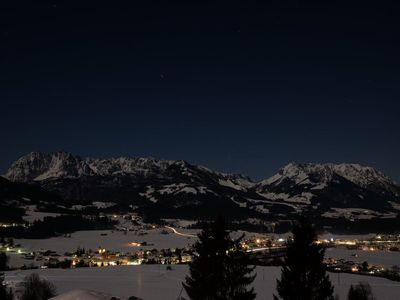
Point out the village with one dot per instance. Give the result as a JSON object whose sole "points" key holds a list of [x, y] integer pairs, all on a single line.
{"points": [[265, 250]]}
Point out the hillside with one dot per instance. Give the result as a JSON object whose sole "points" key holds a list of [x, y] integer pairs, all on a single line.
{"points": [[167, 189]]}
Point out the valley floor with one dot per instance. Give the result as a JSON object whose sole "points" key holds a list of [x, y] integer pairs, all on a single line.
{"points": [[152, 282], [156, 282], [118, 241]]}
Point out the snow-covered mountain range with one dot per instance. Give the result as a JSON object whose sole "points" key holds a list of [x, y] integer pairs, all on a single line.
{"points": [[40, 167], [177, 187]]}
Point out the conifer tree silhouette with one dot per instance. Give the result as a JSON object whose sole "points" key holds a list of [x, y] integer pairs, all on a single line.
{"points": [[220, 270], [304, 273]]}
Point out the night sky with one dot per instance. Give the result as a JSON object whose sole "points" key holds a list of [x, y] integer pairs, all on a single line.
{"points": [[244, 87]]}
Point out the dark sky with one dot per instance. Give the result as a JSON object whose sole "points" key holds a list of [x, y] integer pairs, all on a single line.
{"points": [[241, 87]]}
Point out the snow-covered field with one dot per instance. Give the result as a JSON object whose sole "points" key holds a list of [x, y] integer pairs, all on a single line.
{"points": [[32, 214], [356, 213], [155, 282], [110, 239], [378, 258], [328, 236], [117, 240]]}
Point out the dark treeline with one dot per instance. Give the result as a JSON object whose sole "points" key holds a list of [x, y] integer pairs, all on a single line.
{"points": [[53, 226], [11, 214]]}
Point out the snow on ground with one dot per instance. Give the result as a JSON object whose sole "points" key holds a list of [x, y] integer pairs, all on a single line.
{"points": [[117, 240], [231, 184], [260, 208], [295, 207], [395, 205], [37, 215], [32, 214], [188, 190], [303, 198], [148, 194], [241, 204], [18, 260], [378, 258], [109, 239], [328, 236], [103, 204], [319, 186], [83, 295], [152, 282], [78, 207], [356, 213], [180, 222]]}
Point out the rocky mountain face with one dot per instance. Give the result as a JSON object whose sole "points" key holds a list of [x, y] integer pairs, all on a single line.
{"points": [[335, 190], [178, 188], [39, 167]]}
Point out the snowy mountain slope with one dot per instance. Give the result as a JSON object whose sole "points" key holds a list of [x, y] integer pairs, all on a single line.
{"points": [[158, 185], [357, 174], [326, 186], [178, 187], [39, 167]]}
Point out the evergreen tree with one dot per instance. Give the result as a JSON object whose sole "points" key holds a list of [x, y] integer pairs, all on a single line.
{"points": [[37, 289], [362, 291], [304, 273], [3, 261], [220, 270], [4, 293], [239, 273]]}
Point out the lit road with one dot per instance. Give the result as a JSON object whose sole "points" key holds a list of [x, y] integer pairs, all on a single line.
{"points": [[179, 233], [250, 250], [266, 249]]}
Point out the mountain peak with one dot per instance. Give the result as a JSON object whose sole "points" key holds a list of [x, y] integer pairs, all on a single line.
{"points": [[37, 166], [360, 175], [294, 188]]}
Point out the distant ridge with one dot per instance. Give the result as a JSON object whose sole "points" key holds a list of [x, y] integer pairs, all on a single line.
{"points": [[179, 188]]}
